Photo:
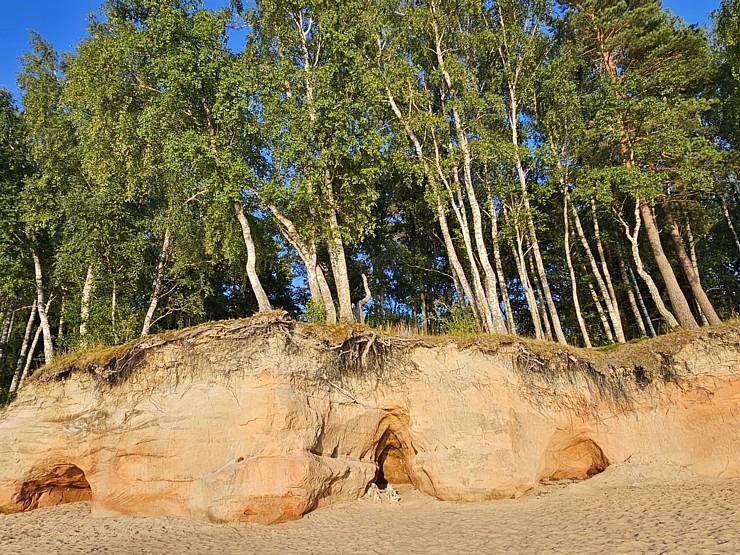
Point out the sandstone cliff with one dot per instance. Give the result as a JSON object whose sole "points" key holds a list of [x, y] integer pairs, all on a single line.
{"points": [[265, 419]]}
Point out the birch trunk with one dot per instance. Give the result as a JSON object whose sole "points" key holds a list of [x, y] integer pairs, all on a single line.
{"points": [[455, 263], [263, 303], [8, 322], [492, 304], [337, 257], [632, 299], [691, 275], [539, 264], [511, 324], [363, 301], [694, 264], [113, 309], [85, 304], [306, 249], [62, 308], [613, 310], [641, 300], [602, 314], [611, 299], [29, 356], [41, 308], [633, 236], [24, 349], [457, 268], [572, 273], [521, 266], [157, 285]]}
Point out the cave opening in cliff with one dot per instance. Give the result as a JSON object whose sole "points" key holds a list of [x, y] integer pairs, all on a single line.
{"points": [[391, 461], [578, 459], [54, 485]]}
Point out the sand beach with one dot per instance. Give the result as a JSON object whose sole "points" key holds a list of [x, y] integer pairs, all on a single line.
{"points": [[627, 509]]}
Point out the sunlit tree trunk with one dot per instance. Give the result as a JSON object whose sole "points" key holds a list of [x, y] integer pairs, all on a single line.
{"points": [[611, 298], [263, 302], [571, 271], [633, 301], [633, 236], [41, 308], [680, 305], [157, 285], [691, 275], [85, 304], [24, 348]]}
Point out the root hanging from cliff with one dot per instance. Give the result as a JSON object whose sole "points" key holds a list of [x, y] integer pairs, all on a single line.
{"points": [[348, 352]]}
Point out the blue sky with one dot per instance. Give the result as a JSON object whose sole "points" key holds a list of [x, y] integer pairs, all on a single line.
{"points": [[63, 22]]}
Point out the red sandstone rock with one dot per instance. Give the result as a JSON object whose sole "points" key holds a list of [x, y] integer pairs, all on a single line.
{"points": [[222, 424]]}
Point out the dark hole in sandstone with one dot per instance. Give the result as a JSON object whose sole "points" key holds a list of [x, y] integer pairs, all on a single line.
{"points": [[389, 455], [63, 483], [578, 460]]}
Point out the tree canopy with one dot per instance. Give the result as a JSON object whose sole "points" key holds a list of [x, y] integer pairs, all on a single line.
{"points": [[562, 170]]}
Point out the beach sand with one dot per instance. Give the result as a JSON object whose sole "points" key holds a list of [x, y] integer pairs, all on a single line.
{"points": [[627, 509]]}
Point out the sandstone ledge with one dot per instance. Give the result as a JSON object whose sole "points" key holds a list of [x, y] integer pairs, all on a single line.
{"points": [[263, 420]]}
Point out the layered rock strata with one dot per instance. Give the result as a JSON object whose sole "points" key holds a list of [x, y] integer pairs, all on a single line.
{"points": [[265, 419]]}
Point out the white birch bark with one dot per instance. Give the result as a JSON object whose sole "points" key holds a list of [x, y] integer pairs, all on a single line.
{"points": [[521, 266], [157, 285], [457, 267], [641, 300], [602, 314], [613, 310], [633, 300], [41, 308], [263, 302], [493, 307], [337, 257], [85, 303], [572, 273], [29, 356], [633, 236], [24, 348], [611, 299]]}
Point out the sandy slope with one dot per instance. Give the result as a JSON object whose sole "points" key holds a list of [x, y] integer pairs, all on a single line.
{"points": [[627, 509]]}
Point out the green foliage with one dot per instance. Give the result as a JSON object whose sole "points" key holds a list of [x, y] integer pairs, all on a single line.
{"points": [[154, 126], [459, 322]]}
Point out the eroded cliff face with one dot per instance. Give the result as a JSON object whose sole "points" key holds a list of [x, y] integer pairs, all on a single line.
{"points": [[264, 420]]}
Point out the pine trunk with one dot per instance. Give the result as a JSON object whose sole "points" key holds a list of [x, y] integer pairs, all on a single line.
{"points": [[633, 237], [691, 275], [679, 303]]}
